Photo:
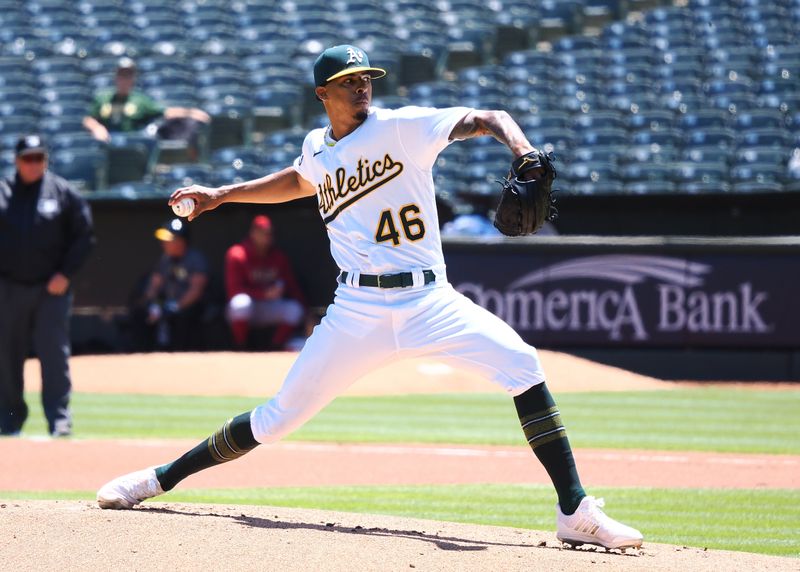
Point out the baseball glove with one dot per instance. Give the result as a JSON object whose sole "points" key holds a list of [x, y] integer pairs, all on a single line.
{"points": [[526, 200]]}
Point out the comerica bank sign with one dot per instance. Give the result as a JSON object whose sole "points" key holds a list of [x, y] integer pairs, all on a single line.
{"points": [[629, 297]]}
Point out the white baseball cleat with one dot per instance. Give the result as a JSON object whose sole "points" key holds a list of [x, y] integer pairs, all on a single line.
{"points": [[590, 525], [129, 490]]}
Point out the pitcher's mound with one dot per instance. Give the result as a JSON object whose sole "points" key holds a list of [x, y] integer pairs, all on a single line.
{"points": [[62, 535]]}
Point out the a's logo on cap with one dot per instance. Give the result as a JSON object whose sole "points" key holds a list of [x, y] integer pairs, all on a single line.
{"points": [[355, 56], [33, 141]]}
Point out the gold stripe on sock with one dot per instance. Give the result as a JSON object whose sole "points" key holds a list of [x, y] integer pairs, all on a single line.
{"points": [[538, 415], [560, 433]]}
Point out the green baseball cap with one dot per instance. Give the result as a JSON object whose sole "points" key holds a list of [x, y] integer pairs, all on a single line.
{"points": [[342, 60]]}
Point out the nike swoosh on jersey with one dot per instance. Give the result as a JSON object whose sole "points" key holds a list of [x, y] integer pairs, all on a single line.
{"points": [[318, 152]]}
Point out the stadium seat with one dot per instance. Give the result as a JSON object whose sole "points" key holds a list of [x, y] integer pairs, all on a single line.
{"points": [[12, 125], [776, 138], [230, 125], [757, 173], [169, 177], [718, 136], [129, 162], [650, 187], [610, 154], [605, 136], [762, 156], [228, 175], [634, 172], [85, 168], [250, 157], [598, 120], [663, 137], [706, 154], [654, 120], [701, 172], [704, 187], [554, 120]]}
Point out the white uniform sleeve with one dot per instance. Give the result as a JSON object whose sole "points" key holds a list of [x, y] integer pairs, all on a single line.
{"points": [[425, 131], [301, 163]]}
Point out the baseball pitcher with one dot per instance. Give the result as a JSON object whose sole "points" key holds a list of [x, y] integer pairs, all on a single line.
{"points": [[370, 170]]}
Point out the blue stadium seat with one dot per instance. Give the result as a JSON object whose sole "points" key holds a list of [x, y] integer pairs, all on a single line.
{"points": [[629, 72], [589, 187], [734, 102], [607, 136], [63, 124], [634, 172], [61, 80], [74, 141], [703, 118], [707, 154], [554, 120], [598, 120], [787, 103], [663, 137], [610, 154], [557, 139], [704, 187], [701, 172], [653, 119], [765, 156], [575, 43], [251, 157], [759, 119], [721, 137], [578, 171], [286, 139], [183, 175], [766, 137], [13, 125], [85, 167], [650, 187], [533, 60], [228, 175], [654, 154]]}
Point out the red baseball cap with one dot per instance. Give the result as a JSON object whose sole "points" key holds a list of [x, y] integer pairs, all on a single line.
{"points": [[261, 222]]}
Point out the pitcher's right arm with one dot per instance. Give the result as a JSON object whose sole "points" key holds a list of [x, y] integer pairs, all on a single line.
{"points": [[280, 187]]}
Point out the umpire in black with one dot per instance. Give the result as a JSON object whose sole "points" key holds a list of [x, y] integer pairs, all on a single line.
{"points": [[45, 235]]}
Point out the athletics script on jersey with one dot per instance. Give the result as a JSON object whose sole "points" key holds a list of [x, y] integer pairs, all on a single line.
{"points": [[635, 298], [346, 186]]}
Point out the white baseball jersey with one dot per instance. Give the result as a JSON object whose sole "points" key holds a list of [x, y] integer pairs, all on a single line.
{"points": [[375, 188], [375, 194]]}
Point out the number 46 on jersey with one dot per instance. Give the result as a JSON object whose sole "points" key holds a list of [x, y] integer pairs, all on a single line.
{"points": [[412, 226]]}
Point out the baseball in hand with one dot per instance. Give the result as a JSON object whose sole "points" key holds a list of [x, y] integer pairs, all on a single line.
{"points": [[184, 207]]}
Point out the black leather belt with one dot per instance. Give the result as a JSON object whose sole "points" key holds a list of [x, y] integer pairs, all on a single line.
{"points": [[401, 280]]}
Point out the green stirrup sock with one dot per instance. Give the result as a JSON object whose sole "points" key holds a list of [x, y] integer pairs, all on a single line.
{"points": [[230, 442], [546, 435]]}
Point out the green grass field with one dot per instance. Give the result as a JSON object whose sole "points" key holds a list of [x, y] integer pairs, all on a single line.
{"points": [[720, 420], [699, 419]]}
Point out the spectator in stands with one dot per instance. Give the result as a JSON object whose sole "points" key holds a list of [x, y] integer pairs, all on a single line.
{"points": [[45, 236], [169, 314], [125, 109], [262, 289]]}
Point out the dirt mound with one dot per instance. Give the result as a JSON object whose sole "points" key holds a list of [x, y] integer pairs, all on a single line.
{"points": [[212, 537], [261, 374]]}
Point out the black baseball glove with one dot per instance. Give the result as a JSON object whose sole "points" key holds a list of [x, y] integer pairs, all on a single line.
{"points": [[526, 200]]}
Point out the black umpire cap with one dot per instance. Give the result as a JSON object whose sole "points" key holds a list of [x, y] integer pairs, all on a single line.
{"points": [[31, 145]]}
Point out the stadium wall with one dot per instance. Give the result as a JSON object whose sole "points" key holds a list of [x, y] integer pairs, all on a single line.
{"points": [[681, 308]]}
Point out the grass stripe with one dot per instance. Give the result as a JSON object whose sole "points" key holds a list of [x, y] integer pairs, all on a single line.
{"points": [[763, 521], [697, 419]]}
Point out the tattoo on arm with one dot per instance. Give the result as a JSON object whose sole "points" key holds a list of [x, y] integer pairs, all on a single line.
{"points": [[498, 124]]}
